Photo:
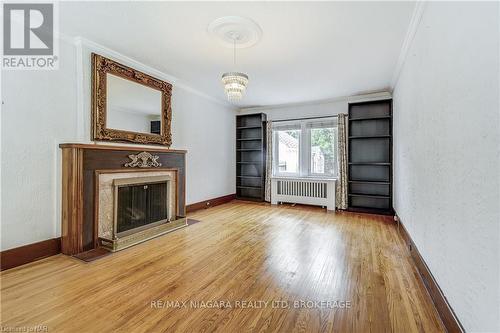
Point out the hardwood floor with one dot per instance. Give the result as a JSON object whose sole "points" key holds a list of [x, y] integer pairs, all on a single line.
{"points": [[239, 252]]}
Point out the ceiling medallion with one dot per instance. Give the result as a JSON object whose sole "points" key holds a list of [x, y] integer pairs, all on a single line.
{"points": [[223, 29], [235, 32]]}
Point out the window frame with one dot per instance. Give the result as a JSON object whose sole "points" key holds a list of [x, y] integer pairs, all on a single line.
{"points": [[305, 152]]}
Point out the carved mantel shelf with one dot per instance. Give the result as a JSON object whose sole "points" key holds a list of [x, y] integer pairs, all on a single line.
{"points": [[116, 147], [81, 166]]}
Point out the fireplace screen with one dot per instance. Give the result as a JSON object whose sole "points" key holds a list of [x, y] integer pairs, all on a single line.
{"points": [[140, 205]]}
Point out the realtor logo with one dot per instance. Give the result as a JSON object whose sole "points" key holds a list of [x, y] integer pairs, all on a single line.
{"points": [[28, 36]]}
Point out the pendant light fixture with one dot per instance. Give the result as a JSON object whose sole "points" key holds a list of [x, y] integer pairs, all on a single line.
{"points": [[235, 83], [235, 32]]}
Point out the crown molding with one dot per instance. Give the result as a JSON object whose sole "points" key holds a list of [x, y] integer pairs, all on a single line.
{"points": [[287, 105], [380, 95], [416, 18], [109, 53]]}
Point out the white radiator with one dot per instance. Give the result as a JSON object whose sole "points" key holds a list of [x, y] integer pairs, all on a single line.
{"points": [[307, 191]]}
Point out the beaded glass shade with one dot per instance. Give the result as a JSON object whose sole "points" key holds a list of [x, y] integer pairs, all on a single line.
{"points": [[235, 85]]}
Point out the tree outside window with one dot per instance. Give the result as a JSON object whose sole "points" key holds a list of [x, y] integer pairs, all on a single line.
{"points": [[322, 152]]}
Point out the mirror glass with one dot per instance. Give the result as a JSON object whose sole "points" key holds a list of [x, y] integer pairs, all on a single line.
{"points": [[132, 106]]}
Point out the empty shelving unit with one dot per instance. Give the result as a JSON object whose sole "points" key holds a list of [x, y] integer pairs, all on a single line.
{"points": [[250, 156], [370, 157]]}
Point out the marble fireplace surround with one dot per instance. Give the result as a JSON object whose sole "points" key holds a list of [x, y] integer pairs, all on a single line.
{"points": [[82, 166], [107, 201]]}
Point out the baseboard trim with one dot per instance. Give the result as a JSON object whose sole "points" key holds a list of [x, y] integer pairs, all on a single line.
{"points": [[28, 253], [210, 203], [445, 311], [36, 251]]}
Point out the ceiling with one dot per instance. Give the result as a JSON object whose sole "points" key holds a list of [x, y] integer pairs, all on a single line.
{"points": [[308, 51]]}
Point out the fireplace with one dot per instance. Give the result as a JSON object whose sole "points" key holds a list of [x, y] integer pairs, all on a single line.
{"points": [[135, 206], [119, 196], [140, 203]]}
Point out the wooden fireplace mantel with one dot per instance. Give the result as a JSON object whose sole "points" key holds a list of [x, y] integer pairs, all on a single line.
{"points": [[116, 147], [81, 166]]}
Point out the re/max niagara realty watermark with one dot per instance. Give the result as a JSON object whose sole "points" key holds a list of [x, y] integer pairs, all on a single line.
{"points": [[30, 36], [250, 304]]}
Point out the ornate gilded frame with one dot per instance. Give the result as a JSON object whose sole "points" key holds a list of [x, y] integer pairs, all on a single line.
{"points": [[101, 66]]}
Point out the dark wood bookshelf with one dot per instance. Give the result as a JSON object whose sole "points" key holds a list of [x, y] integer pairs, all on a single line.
{"points": [[250, 156], [370, 157], [247, 127], [370, 137], [369, 118], [368, 182], [369, 163], [369, 195]]}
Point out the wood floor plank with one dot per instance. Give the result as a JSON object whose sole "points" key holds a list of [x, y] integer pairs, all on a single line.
{"points": [[240, 252]]}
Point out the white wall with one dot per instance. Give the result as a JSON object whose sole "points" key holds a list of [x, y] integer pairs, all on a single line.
{"points": [[45, 108], [326, 108], [207, 131], [127, 120], [306, 110], [446, 154], [38, 113]]}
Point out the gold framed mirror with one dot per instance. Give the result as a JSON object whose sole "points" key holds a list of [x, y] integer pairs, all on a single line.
{"points": [[128, 105]]}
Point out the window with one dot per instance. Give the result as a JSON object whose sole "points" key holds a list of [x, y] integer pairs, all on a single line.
{"points": [[288, 142], [305, 148], [322, 155]]}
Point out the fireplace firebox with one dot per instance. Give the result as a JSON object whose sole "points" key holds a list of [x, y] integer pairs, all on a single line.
{"points": [[135, 207], [140, 203]]}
